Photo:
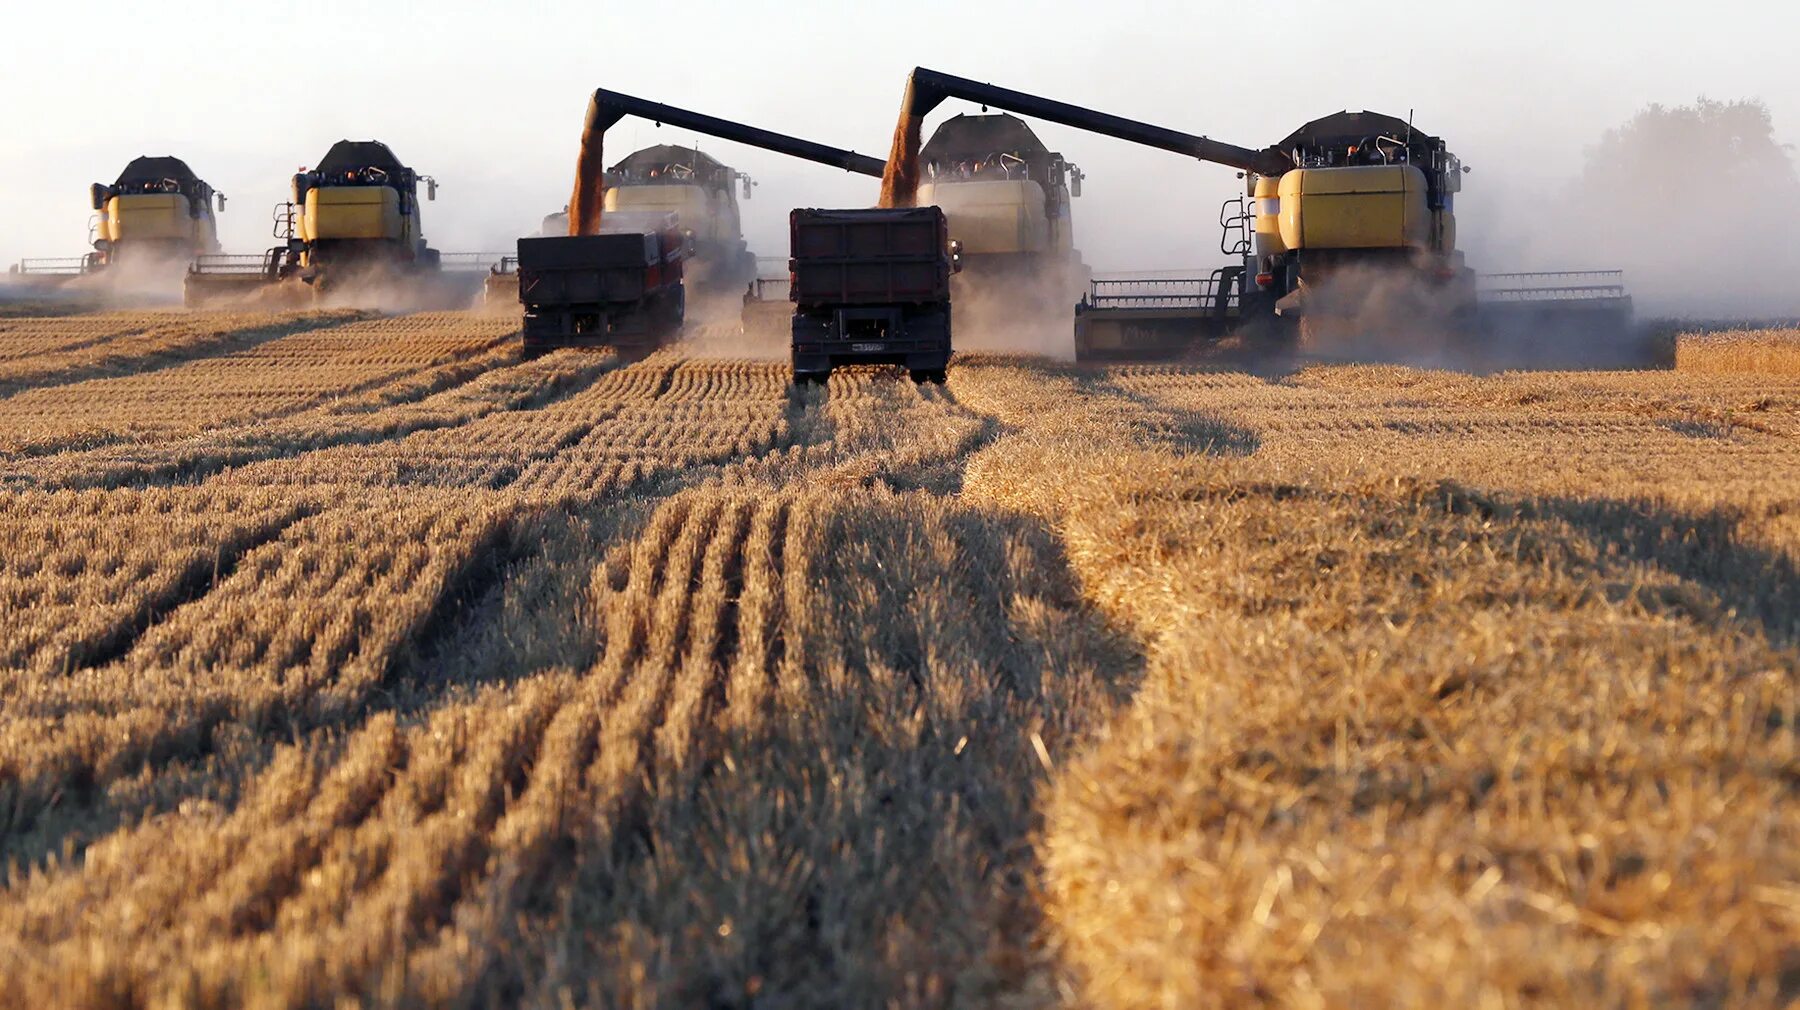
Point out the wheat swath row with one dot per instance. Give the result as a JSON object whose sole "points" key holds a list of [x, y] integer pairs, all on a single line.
{"points": [[308, 368]]}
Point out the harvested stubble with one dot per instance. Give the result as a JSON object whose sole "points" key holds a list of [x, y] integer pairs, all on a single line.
{"points": [[40, 352], [306, 369], [592, 683]]}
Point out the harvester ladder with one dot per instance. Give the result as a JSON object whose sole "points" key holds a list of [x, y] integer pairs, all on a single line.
{"points": [[1234, 224], [284, 221]]}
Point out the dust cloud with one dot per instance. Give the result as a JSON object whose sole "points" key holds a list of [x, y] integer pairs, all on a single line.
{"points": [[1029, 310], [1395, 315], [1699, 204]]}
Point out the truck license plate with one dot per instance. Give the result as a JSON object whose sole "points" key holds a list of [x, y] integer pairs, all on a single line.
{"points": [[867, 348]]}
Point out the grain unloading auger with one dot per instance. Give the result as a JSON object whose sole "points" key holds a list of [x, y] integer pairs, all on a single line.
{"points": [[1349, 211], [617, 278], [158, 215]]}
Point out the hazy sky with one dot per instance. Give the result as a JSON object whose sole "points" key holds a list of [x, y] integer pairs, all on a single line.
{"points": [[488, 97]]}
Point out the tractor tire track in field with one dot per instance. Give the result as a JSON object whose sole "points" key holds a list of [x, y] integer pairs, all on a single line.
{"points": [[448, 397], [698, 716], [764, 799]]}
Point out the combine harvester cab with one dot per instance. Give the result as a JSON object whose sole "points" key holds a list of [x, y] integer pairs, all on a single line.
{"points": [[159, 211], [158, 215], [621, 288], [358, 214], [871, 287], [354, 222]]}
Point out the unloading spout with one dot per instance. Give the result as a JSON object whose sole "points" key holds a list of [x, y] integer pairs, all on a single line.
{"points": [[927, 89], [608, 107]]}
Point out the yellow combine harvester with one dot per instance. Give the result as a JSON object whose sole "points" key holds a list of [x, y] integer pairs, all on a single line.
{"points": [[1349, 222], [158, 215], [353, 224]]}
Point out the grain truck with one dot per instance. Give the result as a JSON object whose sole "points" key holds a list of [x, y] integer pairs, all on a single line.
{"points": [[871, 287], [621, 288]]}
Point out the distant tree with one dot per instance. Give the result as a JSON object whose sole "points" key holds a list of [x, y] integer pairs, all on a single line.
{"points": [[1675, 151], [1700, 203]]}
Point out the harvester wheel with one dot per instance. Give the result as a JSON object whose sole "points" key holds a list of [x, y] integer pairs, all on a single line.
{"points": [[811, 378], [935, 377]]}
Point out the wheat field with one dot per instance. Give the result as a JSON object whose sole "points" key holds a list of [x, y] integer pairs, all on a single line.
{"points": [[355, 661]]}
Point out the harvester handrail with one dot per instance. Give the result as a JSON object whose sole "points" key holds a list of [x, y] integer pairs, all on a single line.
{"points": [[1552, 285], [470, 260], [52, 265], [230, 263], [1570, 292], [1558, 276], [1153, 292]]}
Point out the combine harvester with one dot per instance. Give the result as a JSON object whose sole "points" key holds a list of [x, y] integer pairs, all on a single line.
{"points": [[698, 189], [1347, 224], [157, 216], [352, 228]]}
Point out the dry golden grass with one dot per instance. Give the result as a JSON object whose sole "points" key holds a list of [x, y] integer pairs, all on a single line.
{"points": [[370, 665], [1763, 352]]}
